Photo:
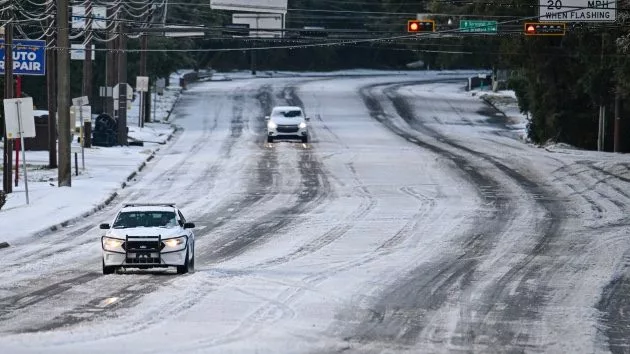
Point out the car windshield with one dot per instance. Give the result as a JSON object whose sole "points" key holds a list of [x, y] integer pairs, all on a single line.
{"points": [[290, 113], [145, 219]]}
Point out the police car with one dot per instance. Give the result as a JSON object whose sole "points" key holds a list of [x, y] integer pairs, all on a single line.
{"points": [[148, 235]]}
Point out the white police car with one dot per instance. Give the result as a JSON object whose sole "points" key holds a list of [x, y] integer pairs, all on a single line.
{"points": [[148, 235]]}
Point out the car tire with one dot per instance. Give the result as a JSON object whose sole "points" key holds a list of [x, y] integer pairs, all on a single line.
{"points": [[183, 269], [270, 139], [108, 269], [305, 139]]}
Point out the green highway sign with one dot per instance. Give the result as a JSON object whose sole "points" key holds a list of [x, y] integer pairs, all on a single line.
{"points": [[479, 26]]}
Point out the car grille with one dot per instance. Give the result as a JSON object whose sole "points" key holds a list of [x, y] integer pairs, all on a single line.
{"points": [[287, 128], [143, 249]]}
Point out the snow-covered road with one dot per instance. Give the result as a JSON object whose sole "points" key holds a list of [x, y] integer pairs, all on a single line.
{"points": [[414, 221]]}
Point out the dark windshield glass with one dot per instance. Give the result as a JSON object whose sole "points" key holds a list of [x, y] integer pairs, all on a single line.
{"points": [[145, 219]]}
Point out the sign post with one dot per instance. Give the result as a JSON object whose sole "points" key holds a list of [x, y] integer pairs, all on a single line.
{"points": [[79, 102], [142, 86], [20, 123]]}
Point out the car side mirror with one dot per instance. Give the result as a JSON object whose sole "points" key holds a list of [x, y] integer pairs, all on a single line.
{"points": [[307, 119], [189, 225], [266, 117], [104, 226]]}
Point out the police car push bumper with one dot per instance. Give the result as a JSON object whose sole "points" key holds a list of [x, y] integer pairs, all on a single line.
{"points": [[144, 251]]}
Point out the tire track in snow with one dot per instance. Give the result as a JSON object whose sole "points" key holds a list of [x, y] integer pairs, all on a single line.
{"points": [[506, 301], [314, 189], [401, 313]]}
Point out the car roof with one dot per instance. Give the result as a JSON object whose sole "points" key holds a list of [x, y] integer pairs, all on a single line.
{"points": [[286, 108], [149, 208]]}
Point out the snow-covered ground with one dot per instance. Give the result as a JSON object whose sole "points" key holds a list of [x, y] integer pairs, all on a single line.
{"points": [[416, 221]]}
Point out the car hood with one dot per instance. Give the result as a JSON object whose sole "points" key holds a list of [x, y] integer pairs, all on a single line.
{"points": [[287, 121], [146, 231]]}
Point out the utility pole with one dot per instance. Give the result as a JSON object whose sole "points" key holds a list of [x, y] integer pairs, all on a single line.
{"points": [[110, 58], [8, 93], [602, 109], [122, 85], [617, 136], [63, 94], [253, 60], [51, 87], [86, 88], [144, 44]]}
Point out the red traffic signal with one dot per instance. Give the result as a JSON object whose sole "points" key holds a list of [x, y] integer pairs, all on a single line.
{"points": [[545, 29], [420, 26]]}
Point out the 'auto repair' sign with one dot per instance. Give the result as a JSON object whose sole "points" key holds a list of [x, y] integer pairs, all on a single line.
{"points": [[29, 57]]}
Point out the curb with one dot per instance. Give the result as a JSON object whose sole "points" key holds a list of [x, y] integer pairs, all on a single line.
{"points": [[112, 196]]}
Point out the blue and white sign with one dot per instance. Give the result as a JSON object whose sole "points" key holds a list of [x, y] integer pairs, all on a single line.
{"points": [[29, 57]]}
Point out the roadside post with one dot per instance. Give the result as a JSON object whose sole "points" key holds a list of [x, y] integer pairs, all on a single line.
{"points": [[20, 124], [142, 86], [160, 85], [81, 103]]}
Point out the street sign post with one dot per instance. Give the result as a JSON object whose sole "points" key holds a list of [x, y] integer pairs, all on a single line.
{"points": [[29, 57], [20, 123], [478, 26], [80, 102], [577, 11], [142, 86]]}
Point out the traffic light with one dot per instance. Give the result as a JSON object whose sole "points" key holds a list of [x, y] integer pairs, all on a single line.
{"points": [[420, 26], [545, 29]]}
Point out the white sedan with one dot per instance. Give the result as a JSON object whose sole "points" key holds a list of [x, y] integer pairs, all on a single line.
{"points": [[148, 235], [287, 122]]}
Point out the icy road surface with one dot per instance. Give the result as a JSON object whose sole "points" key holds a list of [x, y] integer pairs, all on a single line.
{"points": [[415, 221]]}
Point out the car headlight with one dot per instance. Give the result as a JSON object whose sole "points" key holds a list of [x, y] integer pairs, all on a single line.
{"points": [[272, 125], [302, 125], [112, 244], [175, 244]]}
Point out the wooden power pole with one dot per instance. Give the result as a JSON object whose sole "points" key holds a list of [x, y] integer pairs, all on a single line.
{"points": [[8, 93], [144, 44], [51, 86], [86, 88], [63, 94], [111, 73], [122, 85]]}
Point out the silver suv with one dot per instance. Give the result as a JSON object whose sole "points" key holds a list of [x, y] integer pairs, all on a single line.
{"points": [[287, 122]]}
